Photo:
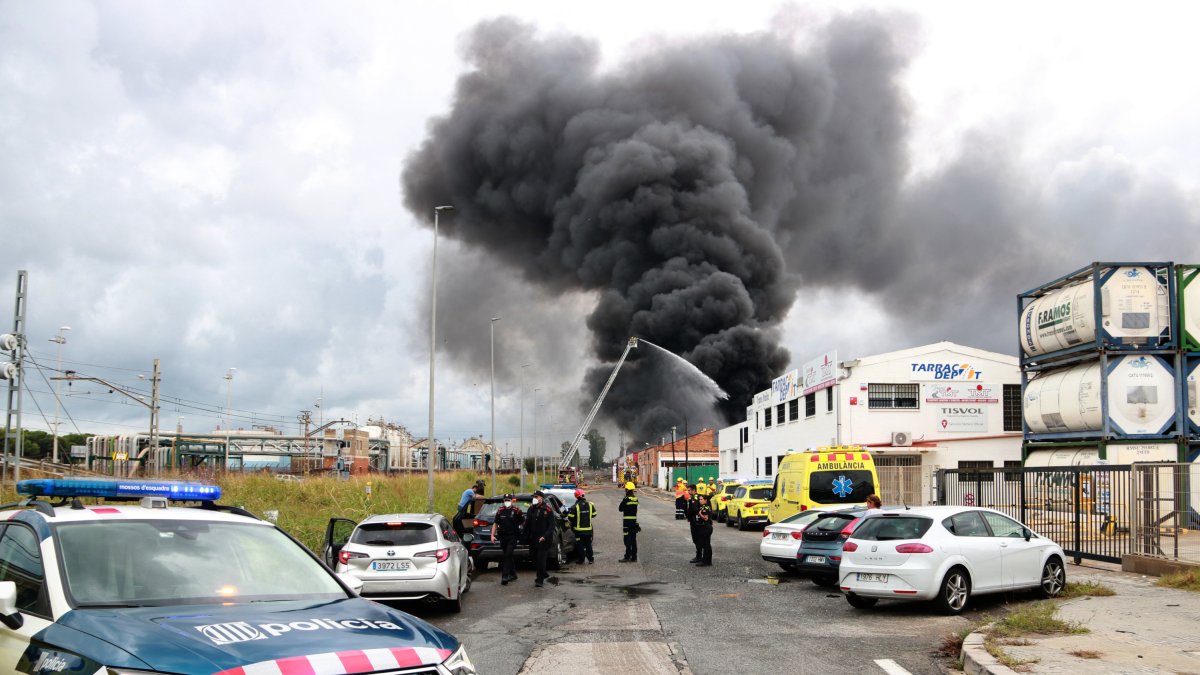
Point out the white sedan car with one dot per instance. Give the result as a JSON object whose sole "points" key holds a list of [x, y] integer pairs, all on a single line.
{"points": [[947, 554], [782, 540]]}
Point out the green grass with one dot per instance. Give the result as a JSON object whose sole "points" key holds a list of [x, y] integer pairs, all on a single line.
{"points": [[994, 648], [1188, 580], [1035, 619], [1084, 589], [306, 506]]}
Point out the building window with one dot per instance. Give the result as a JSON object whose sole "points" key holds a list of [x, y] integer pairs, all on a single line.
{"points": [[735, 466], [746, 435], [794, 409], [893, 396], [1012, 407], [810, 405], [966, 475], [779, 414], [755, 466], [1012, 476], [767, 464], [829, 400], [767, 418]]}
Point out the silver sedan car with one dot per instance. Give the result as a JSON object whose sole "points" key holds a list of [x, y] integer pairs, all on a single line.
{"points": [[401, 556]]}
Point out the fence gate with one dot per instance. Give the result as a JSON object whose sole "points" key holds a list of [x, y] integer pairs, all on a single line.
{"points": [[900, 480], [1087, 510]]}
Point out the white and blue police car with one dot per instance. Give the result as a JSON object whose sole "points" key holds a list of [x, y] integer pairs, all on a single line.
{"points": [[141, 584]]}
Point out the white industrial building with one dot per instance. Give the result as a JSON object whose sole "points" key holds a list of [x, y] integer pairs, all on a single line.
{"points": [[918, 410]]}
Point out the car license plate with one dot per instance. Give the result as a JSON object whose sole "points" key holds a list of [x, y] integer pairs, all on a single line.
{"points": [[779, 535], [391, 565], [876, 578], [820, 559]]}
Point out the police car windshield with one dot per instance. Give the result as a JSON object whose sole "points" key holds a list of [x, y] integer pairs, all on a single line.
{"points": [[177, 562]]}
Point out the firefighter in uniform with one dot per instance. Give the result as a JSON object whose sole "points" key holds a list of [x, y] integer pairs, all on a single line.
{"points": [[580, 517], [507, 525], [704, 530], [629, 524], [681, 496], [712, 490], [693, 512]]}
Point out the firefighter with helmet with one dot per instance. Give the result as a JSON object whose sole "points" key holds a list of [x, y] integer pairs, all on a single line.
{"points": [[629, 524], [580, 516]]}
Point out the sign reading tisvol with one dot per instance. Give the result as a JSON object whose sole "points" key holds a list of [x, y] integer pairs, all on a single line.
{"points": [[945, 371]]}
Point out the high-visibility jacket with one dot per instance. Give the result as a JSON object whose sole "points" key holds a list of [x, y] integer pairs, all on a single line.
{"points": [[680, 491], [581, 515], [628, 509], [701, 488]]}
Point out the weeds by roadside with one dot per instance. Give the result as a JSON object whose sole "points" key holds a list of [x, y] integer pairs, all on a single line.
{"points": [[1188, 581], [1035, 619], [993, 647], [1079, 589], [1086, 654]]}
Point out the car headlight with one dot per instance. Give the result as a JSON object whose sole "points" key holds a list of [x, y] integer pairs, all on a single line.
{"points": [[459, 664]]}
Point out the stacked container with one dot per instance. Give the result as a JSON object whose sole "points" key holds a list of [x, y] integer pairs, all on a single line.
{"points": [[1103, 362], [1188, 285]]}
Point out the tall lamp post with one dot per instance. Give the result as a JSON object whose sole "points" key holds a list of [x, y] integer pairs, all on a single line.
{"points": [[535, 434], [228, 402], [437, 210], [522, 453], [61, 340], [493, 340]]}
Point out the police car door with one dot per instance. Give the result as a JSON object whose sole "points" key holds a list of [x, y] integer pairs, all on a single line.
{"points": [[22, 592]]}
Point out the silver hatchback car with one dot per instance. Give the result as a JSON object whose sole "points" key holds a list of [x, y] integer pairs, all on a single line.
{"points": [[401, 556]]}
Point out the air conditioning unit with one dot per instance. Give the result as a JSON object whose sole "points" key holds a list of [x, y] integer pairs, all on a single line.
{"points": [[902, 438]]}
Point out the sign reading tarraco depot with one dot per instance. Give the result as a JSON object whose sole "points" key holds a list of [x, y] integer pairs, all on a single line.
{"points": [[940, 370], [783, 388], [955, 392], [820, 373], [963, 417]]}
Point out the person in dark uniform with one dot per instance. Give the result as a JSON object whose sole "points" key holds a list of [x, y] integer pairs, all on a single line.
{"points": [[704, 532], [507, 525], [693, 510], [629, 524], [580, 516], [539, 533]]}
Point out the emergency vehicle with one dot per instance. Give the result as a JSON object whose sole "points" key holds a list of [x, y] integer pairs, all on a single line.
{"points": [[829, 476], [142, 585]]}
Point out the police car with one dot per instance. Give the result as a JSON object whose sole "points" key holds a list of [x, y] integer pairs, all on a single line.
{"points": [[140, 585]]}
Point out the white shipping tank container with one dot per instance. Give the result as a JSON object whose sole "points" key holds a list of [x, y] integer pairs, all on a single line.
{"points": [[1189, 299], [1116, 453], [1141, 397], [1192, 392], [1134, 305]]}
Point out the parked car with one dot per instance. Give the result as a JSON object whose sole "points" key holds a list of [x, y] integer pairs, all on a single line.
{"points": [[749, 504], [947, 554], [484, 551], [564, 491], [401, 556], [720, 501], [781, 541], [820, 552]]}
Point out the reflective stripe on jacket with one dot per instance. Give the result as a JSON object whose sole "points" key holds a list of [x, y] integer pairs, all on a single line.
{"points": [[581, 519]]}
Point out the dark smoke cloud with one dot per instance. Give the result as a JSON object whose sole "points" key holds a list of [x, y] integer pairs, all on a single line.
{"points": [[691, 190]]}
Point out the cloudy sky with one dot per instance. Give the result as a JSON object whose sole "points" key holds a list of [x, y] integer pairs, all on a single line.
{"points": [[219, 185]]}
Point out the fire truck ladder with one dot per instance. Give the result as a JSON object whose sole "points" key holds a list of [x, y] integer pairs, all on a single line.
{"points": [[587, 422]]}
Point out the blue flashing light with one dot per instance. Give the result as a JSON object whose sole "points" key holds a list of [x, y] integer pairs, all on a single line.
{"points": [[118, 489], [557, 486]]}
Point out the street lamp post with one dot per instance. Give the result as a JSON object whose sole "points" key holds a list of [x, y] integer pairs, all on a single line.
{"points": [[673, 462], [437, 210], [61, 340], [535, 434], [522, 453], [228, 402], [492, 325]]}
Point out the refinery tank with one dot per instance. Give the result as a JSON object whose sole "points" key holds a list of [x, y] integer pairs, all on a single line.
{"points": [[1134, 308], [1141, 398]]}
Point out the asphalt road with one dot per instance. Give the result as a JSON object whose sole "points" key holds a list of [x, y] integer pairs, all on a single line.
{"points": [[664, 615]]}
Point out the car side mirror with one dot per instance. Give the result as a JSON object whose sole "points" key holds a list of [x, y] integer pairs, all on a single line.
{"points": [[1027, 533], [9, 614], [467, 537], [355, 584]]}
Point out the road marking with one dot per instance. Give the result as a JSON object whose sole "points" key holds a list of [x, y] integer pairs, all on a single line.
{"points": [[891, 667]]}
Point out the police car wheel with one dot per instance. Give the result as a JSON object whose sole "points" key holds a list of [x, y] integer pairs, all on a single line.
{"points": [[557, 559]]}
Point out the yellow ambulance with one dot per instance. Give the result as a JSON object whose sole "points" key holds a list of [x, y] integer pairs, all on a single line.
{"points": [[829, 476]]}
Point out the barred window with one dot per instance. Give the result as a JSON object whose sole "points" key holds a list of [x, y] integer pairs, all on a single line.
{"points": [[810, 405], [794, 409], [893, 396], [1012, 407], [966, 475], [1012, 476]]}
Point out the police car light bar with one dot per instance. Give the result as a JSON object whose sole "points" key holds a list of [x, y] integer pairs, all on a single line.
{"points": [[557, 486], [119, 489]]}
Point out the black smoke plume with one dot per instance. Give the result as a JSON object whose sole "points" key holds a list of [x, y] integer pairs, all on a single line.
{"points": [[690, 189]]}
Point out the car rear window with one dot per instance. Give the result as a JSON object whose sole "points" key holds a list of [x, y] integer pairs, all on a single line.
{"points": [[840, 487], [801, 518], [394, 534], [730, 489], [889, 528], [489, 510], [759, 493], [831, 523]]}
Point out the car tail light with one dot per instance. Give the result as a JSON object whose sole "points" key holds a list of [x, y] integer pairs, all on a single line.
{"points": [[442, 554], [849, 547], [848, 529], [345, 556], [914, 548], [749, 504], [803, 507], [480, 523], [798, 535], [766, 534]]}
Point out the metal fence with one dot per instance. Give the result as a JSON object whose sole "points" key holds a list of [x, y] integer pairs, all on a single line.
{"points": [[1093, 512], [904, 483]]}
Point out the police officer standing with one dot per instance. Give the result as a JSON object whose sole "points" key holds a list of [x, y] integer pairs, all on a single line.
{"points": [[629, 524], [539, 532], [580, 516], [693, 513], [704, 533], [507, 525]]}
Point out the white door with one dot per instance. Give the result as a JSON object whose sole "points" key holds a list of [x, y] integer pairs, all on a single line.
{"points": [[1022, 559], [980, 549]]}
